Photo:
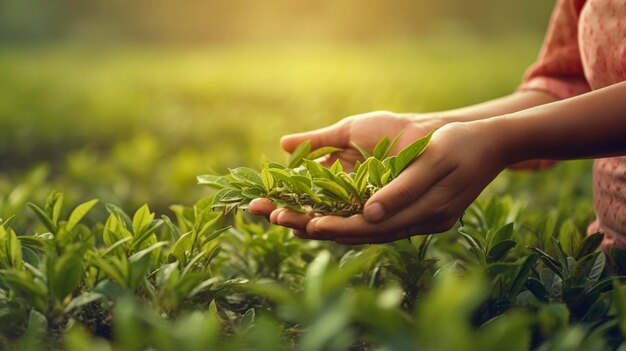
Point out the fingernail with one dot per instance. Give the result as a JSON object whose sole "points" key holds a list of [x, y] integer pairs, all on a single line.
{"points": [[374, 212]]}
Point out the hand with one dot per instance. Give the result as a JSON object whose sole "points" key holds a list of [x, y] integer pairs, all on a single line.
{"points": [[428, 197], [366, 130]]}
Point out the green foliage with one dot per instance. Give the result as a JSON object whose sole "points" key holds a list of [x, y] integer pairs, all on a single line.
{"points": [[308, 187]]}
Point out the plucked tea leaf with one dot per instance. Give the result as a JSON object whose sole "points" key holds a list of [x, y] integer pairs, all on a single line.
{"points": [[362, 151], [410, 153], [267, 179], [213, 181], [315, 169], [380, 150], [375, 171], [301, 152], [280, 175], [333, 188], [336, 168], [245, 174], [323, 151]]}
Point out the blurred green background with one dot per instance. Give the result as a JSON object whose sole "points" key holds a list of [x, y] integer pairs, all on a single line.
{"points": [[129, 101]]}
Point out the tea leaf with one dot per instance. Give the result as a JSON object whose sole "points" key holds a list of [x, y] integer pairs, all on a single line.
{"points": [[333, 188], [301, 152], [375, 170], [213, 181], [142, 219], [336, 168], [381, 149], [499, 251], [267, 179], [590, 244], [43, 217], [362, 151], [410, 153], [503, 233], [323, 151], [79, 212], [247, 175]]}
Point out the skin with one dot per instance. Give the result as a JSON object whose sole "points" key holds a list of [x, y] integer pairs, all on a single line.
{"points": [[470, 147]]}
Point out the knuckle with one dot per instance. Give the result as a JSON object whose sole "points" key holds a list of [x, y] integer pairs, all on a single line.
{"points": [[405, 192]]}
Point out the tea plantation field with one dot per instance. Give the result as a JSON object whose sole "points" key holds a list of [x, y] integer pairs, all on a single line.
{"points": [[108, 243]]}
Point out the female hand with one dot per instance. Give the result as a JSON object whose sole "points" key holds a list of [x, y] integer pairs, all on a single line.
{"points": [[428, 197], [365, 130]]}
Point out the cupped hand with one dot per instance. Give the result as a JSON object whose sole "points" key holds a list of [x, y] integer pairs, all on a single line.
{"points": [[364, 130], [428, 197]]}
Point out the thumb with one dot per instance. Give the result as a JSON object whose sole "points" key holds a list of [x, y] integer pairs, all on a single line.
{"points": [[336, 135], [407, 188]]}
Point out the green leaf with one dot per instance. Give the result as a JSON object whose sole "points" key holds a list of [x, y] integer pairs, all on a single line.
{"points": [[333, 188], [267, 179], [79, 213], [590, 244], [182, 246], [503, 233], [538, 289], [336, 168], [140, 254], [375, 171], [43, 217], [213, 181], [82, 300], [323, 151], [410, 153], [142, 219], [246, 175], [380, 150], [281, 175], [301, 152], [315, 169], [54, 203], [522, 275], [550, 262], [499, 251], [13, 248], [362, 151], [68, 273]]}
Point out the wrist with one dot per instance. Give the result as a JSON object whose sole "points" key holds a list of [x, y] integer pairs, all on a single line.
{"points": [[502, 139]]}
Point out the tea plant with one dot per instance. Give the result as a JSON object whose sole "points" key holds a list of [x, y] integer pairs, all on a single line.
{"points": [[304, 185]]}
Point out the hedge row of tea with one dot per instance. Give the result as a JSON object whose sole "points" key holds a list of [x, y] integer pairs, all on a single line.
{"points": [[509, 278]]}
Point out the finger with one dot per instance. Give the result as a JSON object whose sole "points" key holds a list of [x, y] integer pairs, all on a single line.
{"points": [[435, 212], [274, 215], [335, 135], [407, 188], [293, 220], [261, 207]]}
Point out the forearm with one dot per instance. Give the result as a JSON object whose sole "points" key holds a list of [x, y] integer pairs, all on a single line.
{"points": [[508, 104], [591, 125]]}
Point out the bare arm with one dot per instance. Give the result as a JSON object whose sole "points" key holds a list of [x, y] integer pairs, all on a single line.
{"points": [[587, 126]]}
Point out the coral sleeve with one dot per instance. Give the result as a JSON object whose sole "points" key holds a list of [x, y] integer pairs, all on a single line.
{"points": [[558, 69]]}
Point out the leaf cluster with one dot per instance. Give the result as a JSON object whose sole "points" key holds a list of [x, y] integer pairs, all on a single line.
{"points": [[306, 186]]}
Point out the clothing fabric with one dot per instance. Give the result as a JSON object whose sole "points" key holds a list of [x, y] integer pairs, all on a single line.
{"points": [[584, 50]]}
